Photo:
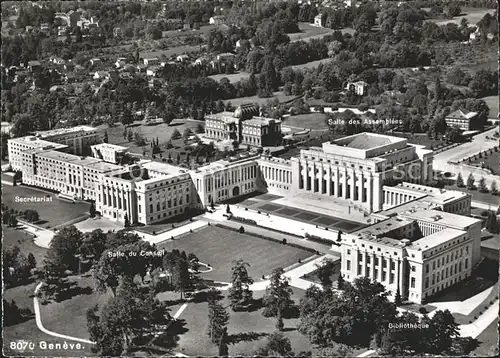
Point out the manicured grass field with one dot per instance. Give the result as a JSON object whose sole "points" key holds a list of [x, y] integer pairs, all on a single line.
{"points": [[52, 213], [219, 247], [492, 161], [280, 96], [473, 15], [488, 339], [67, 317], [478, 196], [18, 237], [314, 121], [233, 78], [247, 330], [492, 102]]}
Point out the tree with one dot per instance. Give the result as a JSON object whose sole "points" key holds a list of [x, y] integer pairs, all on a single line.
{"points": [[127, 221], [277, 299], [32, 260], [325, 272], [105, 138], [94, 243], [340, 282], [176, 135], [441, 332], [240, 294], [460, 180], [218, 319], [12, 221], [64, 247], [492, 223], [16, 267], [482, 185], [178, 159], [180, 275], [92, 210], [31, 215], [493, 188], [277, 345], [470, 182], [228, 209], [212, 205], [362, 312], [397, 298]]}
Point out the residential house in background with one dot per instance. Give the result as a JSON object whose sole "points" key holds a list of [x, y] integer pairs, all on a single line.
{"points": [[318, 20], [358, 87], [463, 119], [95, 61], [217, 20], [152, 61]]}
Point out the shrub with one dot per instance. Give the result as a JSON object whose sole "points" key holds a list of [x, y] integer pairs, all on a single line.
{"points": [[241, 230], [422, 310], [154, 232], [284, 241]]}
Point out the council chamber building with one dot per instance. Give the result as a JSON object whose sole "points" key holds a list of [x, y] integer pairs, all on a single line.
{"points": [[420, 240]]}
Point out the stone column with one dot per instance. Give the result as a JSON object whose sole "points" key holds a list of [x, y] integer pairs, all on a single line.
{"points": [[320, 179], [373, 266], [379, 276], [313, 176], [369, 196], [360, 188], [344, 184], [305, 174], [364, 265], [353, 183], [329, 180]]}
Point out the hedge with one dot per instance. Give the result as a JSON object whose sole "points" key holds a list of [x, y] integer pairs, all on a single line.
{"points": [[318, 239]]}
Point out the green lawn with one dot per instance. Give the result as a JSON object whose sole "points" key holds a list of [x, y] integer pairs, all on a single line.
{"points": [[473, 15], [66, 317], [477, 196], [492, 102], [218, 247], [233, 78], [247, 330], [280, 96], [315, 121], [492, 162], [22, 239], [488, 342], [52, 213]]}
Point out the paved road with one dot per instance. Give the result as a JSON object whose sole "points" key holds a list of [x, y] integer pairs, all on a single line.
{"points": [[478, 144]]}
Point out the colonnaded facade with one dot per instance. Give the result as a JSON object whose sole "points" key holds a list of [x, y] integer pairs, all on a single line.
{"points": [[420, 242], [354, 170]]}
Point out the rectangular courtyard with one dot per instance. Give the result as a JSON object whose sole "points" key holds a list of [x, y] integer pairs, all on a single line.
{"points": [[218, 247]]}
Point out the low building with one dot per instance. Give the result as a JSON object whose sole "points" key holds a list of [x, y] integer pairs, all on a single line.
{"points": [[99, 75], [152, 61], [318, 20], [34, 66], [463, 119], [182, 58], [358, 87], [217, 20], [109, 153], [95, 61]]}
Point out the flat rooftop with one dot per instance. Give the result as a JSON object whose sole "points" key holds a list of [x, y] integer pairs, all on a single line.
{"points": [[226, 117], [383, 227], [382, 240], [440, 217], [226, 163], [441, 196], [109, 146], [260, 121], [56, 155], [35, 142], [163, 168], [436, 239], [55, 132], [103, 167]]}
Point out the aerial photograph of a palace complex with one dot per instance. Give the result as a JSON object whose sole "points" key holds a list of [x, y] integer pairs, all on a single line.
{"points": [[250, 178]]}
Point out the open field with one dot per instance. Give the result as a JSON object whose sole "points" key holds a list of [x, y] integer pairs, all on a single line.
{"points": [[219, 247], [488, 342], [233, 78], [314, 121], [52, 213], [308, 31], [473, 15], [477, 196], [66, 317], [280, 96], [161, 131], [492, 161], [492, 102], [310, 65], [20, 238]]}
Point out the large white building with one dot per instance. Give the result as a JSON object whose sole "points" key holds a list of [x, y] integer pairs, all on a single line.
{"points": [[421, 245], [420, 242]]}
